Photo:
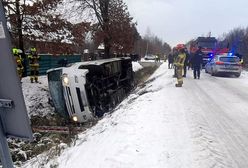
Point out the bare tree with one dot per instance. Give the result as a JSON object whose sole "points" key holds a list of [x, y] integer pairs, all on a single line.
{"points": [[112, 18], [152, 44], [98, 9], [236, 41], [15, 12], [39, 21]]}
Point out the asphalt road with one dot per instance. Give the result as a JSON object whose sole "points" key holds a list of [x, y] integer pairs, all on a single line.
{"points": [[219, 119]]}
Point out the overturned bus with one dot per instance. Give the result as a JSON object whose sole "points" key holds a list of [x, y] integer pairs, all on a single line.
{"points": [[85, 90]]}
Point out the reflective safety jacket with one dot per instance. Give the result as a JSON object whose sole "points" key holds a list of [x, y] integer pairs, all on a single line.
{"points": [[241, 61], [19, 60], [34, 59], [180, 59]]}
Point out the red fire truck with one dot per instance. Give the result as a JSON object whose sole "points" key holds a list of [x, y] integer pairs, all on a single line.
{"points": [[209, 48]]}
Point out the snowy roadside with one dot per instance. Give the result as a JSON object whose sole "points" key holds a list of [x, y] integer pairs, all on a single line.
{"points": [[40, 111], [244, 75], [157, 126], [144, 131]]}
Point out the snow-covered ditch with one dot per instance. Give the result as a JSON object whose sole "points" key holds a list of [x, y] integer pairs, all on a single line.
{"points": [[41, 112]]}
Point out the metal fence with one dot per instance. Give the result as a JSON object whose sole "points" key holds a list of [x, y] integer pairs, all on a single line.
{"points": [[51, 61]]}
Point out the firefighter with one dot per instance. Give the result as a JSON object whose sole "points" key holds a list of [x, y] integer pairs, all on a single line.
{"points": [[242, 61], [179, 64], [34, 59], [175, 54], [240, 58], [18, 58], [197, 61]]}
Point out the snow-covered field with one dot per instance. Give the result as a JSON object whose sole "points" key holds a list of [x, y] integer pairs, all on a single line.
{"points": [[201, 125]]}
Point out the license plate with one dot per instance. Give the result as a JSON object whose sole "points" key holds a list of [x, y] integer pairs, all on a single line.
{"points": [[228, 66]]}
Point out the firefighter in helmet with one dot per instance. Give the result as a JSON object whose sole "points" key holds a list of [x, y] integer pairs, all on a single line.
{"points": [[179, 64], [18, 58], [240, 58], [34, 59]]}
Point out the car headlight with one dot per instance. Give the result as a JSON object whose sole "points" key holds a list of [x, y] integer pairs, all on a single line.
{"points": [[65, 79], [74, 118]]}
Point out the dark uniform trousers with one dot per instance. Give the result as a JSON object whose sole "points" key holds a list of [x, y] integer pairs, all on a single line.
{"points": [[197, 71]]}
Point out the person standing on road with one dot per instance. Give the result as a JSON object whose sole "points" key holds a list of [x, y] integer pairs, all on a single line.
{"points": [[190, 64], [197, 61], [240, 58], [170, 60], [158, 57], [179, 64], [186, 63]]}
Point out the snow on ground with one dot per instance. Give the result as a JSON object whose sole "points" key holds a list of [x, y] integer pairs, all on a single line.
{"points": [[136, 66], [244, 75], [146, 130], [202, 125], [36, 96], [142, 132]]}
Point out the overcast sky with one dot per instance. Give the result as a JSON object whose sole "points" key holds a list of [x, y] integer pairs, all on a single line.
{"points": [[178, 21]]}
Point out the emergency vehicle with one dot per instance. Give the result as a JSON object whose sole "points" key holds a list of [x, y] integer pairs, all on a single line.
{"points": [[209, 48]]}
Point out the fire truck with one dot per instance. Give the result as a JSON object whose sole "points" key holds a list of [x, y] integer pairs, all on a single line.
{"points": [[209, 48]]}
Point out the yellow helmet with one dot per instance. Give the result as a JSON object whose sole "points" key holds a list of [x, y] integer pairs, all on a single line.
{"points": [[33, 49], [15, 51]]}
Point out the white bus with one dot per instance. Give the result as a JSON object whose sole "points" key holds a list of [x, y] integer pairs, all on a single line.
{"points": [[85, 90]]}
